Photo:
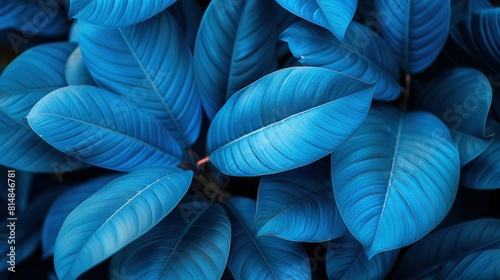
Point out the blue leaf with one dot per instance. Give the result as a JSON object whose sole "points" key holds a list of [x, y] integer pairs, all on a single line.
{"points": [[116, 13], [345, 259], [334, 15], [444, 250], [27, 230], [463, 9], [46, 18], [415, 30], [102, 129], [265, 257], [260, 129], [73, 32], [76, 73], [240, 52], [150, 64], [478, 265], [315, 46], [298, 205], [63, 205], [188, 14], [116, 215], [31, 76], [461, 98], [394, 191], [192, 242]]}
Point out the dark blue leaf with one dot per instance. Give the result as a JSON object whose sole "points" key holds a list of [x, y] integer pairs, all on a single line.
{"points": [[334, 15], [283, 19], [116, 13], [463, 9], [192, 242], [478, 265], [346, 259], [298, 205], [63, 205], [449, 251], [315, 46], [240, 52], [286, 120], [265, 257], [23, 186], [101, 128], [149, 63], [398, 188], [116, 215], [188, 14], [76, 73], [415, 30]]}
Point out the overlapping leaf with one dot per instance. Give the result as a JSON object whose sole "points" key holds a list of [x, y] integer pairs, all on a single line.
{"points": [[449, 251], [265, 257], [116, 215], [398, 188], [75, 72], [240, 52], [103, 129], [286, 120], [150, 64], [192, 242], [188, 14], [116, 13], [298, 205], [315, 46], [463, 9], [334, 15], [415, 30]]}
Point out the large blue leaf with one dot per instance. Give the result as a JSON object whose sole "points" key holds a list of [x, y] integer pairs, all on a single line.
{"points": [[398, 188], [188, 14], [444, 250], [346, 259], [286, 120], [103, 129], [461, 98], [63, 205], [192, 242], [334, 15], [31, 17], [240, 52], [315, 46], [116, 215], [149, 63], [415, 30], [463, 9], [75, 72], [116, 13], [31, 76], [298, 205], [265, 257]]}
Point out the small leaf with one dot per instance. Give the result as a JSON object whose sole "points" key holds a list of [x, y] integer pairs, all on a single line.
{"points": [[260, 129], [103, 129], [116, 215], [265, 257], [116, 13], [76, 72], [298, 205], [396, 190], [192, 242]]}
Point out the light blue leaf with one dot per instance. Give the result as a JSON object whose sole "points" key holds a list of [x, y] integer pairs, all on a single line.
{"points": [[31, 17], [116, 215], [461, 98], [73, 32], [345, 259], [315, 46], [188, 14], [192, 242], [75, 72], [265, 257], [102, 129], [27, 230], [398, 188], [31, 76], [334, 15], [451, 249], [116, 13], [298, 205], [415, 30], [240, 52], [286, 120], [63, 205], [150, 64]]}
